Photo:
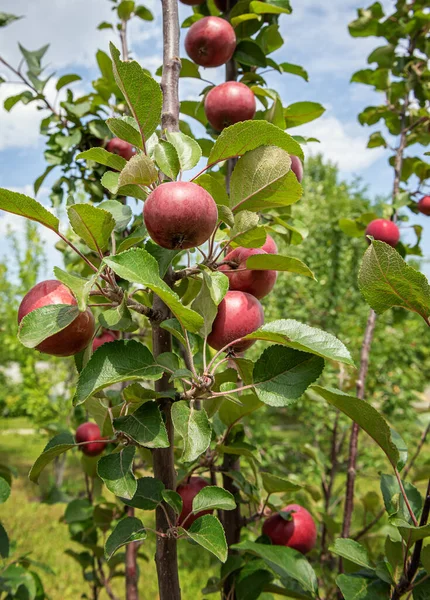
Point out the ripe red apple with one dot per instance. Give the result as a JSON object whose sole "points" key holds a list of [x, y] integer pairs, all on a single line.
{"points": [[210, 42], [297, 167], [424, 205], [105, 337], [187, 492], [299, 533], [255, 282], [121, 147], [87, 432], [270, 246], [180, 215], [238, 314], [229, 103], [384, 230], [73, 338]]}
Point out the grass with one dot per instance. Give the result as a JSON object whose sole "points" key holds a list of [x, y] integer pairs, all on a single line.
{"points": [[36, 527]]}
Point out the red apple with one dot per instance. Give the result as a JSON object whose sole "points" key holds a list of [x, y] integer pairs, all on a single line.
{"points": [[299, 532], [238, 314], [229, 103], [121, 147], [384, 230], [297, 167], [73, 338], [187, 492], [210, 42], [255, 282], [424, 205], [180, 215], [88, 432], [270, 246], [104, 338]]}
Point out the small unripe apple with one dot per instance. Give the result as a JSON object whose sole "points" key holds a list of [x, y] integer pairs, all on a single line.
{"points": [[121, 147], [255, 282], [238, 314], [384, 230], [229, 103], [104, 338], [300, 532], [297, 167], [88, 432], [270, 246], [210, 42], [424, 205], [180, 215], [187, 492], [73, 338]]}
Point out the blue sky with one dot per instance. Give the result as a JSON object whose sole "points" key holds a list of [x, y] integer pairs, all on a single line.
{"points": [[315, 35]]}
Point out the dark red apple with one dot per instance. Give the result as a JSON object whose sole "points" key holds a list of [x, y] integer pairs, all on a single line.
{"points": [[229, 103], [424, 205], [270, 246], [73, 338], [89, 432], [121, 147], [384, 230], [180, 215], [104, 338], [187, 492], [300, 532], [297, 167], [210, 42], [255, 282], [238, 314]]}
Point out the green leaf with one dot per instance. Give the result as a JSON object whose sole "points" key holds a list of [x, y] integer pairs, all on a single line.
{"points": [[352, 227], [123, 360], [58, 445], [189, 69], [274, 484], [352, 551], [79, 286], [214, 288], [215, 188], [270, 39], [118, 318], [116, 470], [385, 280], [376, 140], [208, 532], [78, 510], [294, 70], [24, 97], [142, 93], [66, 79], [120, 212], [173, 499], [213, 497], [302, 337], [44, 322], [138, 266], [354, 587], [276, 262], [110, 180], [369, 419], [22, 205], [145, 426], [410, 533], [285, 562], [93, 225], [194, 428], [34, 58], [130, 529], [125, 9], [4, 490], [103, 157], [7, 18], [188, 150], [249, 53], [246, 232], [282, 374], [140, 170], [143, 13], [167, 159], [274, 7], [149, 494], [379, 78], [127, 129], [393, 498], [302, 112], [4, 539]]}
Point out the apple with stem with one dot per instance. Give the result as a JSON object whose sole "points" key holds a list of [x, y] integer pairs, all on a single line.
{"points": [[188, 491], [89, 432], [384, 230], [73, 338], [238, 314], [294, 528], [210, 42], [423, 205], [229, 103], [121, 147], [180, 215], [259, 283]]}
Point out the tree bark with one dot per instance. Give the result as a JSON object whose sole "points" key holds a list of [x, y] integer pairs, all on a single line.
{"points": [[131, 573]]}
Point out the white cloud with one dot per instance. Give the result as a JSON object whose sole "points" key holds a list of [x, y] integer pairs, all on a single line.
{"points": [[342, 143]]}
